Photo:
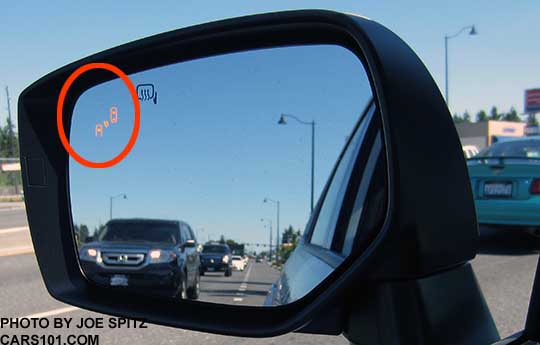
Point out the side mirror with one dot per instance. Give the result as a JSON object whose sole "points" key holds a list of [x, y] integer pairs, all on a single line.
{"points": [[212, 109], [189, 244]]}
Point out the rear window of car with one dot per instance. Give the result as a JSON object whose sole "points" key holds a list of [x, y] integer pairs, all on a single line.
{"points": [[155, 233], [518, 148], [236, 258], [215, 249]]}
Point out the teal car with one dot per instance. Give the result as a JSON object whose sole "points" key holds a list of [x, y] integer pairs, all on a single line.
{"points": [[505, 179]]}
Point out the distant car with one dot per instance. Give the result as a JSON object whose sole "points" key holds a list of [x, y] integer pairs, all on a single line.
{"points": [[216, 257], [470, 151], [258, 259], [238, 263], [505, 178], [151, 255]]}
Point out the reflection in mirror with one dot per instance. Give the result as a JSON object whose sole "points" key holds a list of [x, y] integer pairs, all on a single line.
{"points": [[212, 202]]}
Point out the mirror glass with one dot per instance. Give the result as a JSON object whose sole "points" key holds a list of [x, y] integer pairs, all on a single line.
{"points": [[214, 201]]}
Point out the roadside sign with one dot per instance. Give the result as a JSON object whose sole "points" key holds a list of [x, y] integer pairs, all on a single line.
{"points": [[532, 100], [10, 167]]}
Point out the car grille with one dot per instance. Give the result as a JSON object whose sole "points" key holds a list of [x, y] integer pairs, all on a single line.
{"points": [[122, 259]]}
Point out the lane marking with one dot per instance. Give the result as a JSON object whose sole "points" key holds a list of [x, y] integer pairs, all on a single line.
{"points": [[243, 287], [12, 230], [7, 209], [16, 250], [246, 278], [50, 313]]}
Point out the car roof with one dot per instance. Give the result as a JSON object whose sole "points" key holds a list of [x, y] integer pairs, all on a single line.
{"points": [[216, 244], [146, 221], [514, 139]]}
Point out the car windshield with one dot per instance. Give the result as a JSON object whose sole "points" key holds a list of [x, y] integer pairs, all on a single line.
{"points": [[214, 249], [132, 232], [236, 258], [518, 148]]}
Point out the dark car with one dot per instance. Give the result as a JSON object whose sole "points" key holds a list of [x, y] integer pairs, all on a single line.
{"points": [[216, 257], [145, 254]]}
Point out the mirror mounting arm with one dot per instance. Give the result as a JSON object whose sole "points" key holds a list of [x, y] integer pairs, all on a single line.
{"points": [[532, 325]]}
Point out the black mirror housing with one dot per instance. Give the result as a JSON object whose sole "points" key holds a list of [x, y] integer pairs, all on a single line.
{"points": [[430, 225]]}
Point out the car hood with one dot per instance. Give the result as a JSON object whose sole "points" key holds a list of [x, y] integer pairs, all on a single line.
{"points": [[106, 246]]}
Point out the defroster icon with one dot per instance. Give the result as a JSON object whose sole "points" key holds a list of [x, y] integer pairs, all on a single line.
{"points": [[147, 92]]}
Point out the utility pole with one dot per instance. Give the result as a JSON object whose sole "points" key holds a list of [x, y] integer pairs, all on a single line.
{"points": [[10, 143], [11, 148]]}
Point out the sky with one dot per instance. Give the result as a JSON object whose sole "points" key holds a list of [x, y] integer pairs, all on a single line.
{"points": [[211, 149], [492, 68]]}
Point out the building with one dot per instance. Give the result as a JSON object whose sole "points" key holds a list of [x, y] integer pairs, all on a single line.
{"points": [[485, 133]]}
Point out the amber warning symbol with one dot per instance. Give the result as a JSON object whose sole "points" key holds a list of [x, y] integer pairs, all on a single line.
{"points": [[113, 118]]}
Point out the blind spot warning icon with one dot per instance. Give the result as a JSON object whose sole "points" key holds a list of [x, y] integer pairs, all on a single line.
{"points": [[113, 112], [147, 92], [99, 130]]}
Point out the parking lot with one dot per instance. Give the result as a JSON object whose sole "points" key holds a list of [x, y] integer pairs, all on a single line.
{"points": [[505, 277]]}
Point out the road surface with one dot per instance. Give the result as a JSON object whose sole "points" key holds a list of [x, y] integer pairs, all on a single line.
{"points": [[505, 278]]}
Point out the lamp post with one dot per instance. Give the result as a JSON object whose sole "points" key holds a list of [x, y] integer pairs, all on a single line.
{"points": [[276, 202], [283, 121], [472, 32], [111, 198], [270, 243]]}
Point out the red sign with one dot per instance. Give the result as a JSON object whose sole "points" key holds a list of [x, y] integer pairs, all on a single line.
{"points": [[532, 100]]}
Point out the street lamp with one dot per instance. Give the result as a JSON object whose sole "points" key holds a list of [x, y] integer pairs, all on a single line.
{"points": [[472, 32], [276, 202], [283, 121], [123, 195], [270, 243]]}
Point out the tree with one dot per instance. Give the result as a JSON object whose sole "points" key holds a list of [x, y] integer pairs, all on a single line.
{"points": [[231, 243], [290, 236], [532, 121], [81, 233], [222, 239], [466, 117], [512, 115], [457, 118], [481, 116], [9, 145], [289, 241], [494, 114]]}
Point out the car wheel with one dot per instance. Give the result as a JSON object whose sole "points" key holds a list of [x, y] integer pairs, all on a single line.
{"points": [[228, 272], [182, 292], [194, 291]]}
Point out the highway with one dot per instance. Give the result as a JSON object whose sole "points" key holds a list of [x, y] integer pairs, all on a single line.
{"points": [[505, 278]]}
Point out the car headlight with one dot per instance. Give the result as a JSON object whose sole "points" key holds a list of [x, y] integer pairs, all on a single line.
{"points": [[90, 254], [225, 259], [162, 256]]}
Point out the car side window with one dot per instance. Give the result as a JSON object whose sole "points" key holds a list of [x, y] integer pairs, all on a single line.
{"points": [[183, 237], [191, 235], [325, 225]]}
